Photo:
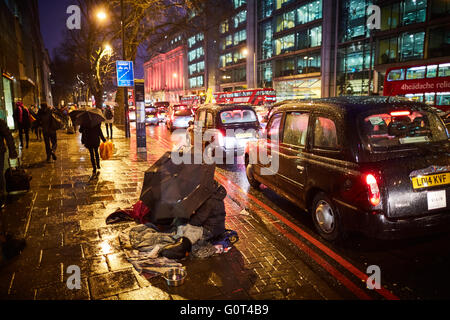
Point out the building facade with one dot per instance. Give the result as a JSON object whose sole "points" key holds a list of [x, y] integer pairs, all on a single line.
{"points": [[318, 48], [24, 61], [165, 75]]}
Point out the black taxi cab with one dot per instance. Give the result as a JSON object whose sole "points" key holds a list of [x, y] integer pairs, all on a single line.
{"points": [[378, 165], [232, 127]]}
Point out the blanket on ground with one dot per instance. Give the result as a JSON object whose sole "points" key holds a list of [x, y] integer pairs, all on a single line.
{"points": [[143, 243]]}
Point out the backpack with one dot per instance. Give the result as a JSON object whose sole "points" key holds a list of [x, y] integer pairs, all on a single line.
{"points": [[108, 114]]}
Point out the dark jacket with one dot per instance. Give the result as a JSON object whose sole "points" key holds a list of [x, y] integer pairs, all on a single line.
{"points": [[5, 134], [45, 119], [211, 215], [25, 123], [91, 136]]}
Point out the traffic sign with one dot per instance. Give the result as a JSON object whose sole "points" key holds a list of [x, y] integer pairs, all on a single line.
{"points": [[125, 73]]}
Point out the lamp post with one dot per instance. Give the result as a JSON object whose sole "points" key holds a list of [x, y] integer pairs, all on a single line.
{"points": [[125, 89], [101, 16]]}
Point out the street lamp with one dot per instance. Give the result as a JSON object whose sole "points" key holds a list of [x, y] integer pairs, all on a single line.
{"points": [[125, 89], [101, 15], [108, 49]]}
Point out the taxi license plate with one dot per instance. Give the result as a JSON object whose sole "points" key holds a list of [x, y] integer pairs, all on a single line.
{"points": [[151, 116], [431, 180], [244, 135]]}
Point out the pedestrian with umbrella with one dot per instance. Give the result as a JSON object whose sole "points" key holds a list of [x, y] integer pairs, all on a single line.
{"points": [[90, 120]]}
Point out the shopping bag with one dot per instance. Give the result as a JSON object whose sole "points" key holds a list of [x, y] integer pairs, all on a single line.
{"points": [[106, 150], [109, 149], [103, 151]]}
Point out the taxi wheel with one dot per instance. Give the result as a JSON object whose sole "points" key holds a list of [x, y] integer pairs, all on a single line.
{"points": [[326, 218]]}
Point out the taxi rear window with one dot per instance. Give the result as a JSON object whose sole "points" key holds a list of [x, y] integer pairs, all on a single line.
{"points": [[183, 113], [237, 116], [405, 127]]}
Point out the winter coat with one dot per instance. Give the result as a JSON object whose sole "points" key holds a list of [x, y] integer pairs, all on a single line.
{"points": [[211, 215], [5, 134], [45, 119], [106, 119], [22, 117], [91, 136]]}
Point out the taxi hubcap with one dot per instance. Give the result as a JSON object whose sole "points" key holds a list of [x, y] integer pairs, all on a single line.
{"points": [[325, 216]]}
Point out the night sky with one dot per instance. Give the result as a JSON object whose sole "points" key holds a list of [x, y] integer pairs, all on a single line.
{"points": [[53, 18]]}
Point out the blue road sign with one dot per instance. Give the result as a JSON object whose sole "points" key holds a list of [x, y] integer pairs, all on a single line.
{"points": [[125, 73]]}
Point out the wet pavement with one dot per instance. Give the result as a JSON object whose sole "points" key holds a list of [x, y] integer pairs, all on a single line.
{"points": [[279, 255], [63, 221]]}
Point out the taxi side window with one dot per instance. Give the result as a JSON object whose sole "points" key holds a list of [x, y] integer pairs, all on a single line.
{"points": [[209, 120], [296, 128], [325, 135], [273, 131]]}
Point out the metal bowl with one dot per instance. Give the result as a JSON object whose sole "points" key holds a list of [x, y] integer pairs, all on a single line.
{"points": [[175, 277]]}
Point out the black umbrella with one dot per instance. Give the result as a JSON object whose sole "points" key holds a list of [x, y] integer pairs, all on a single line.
{"points": [[87, 117], [176, 190]]}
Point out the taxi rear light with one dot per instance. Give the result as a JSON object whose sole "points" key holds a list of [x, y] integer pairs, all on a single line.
{"points": [[221, 138], [374, 190], [400, 113]]}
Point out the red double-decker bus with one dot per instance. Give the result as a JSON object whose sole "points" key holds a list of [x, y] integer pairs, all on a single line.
{"points": [[191, 100], [428, 83], [255, 97]]}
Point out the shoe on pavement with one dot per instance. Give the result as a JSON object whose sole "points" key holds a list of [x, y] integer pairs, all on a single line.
{"points": [[177, 250]]}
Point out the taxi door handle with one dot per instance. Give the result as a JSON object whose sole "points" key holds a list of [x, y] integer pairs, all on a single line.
{"points": [[300, 168]]}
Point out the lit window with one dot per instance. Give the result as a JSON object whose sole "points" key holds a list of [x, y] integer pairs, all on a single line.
{"points": [[414, 11], [444, 70], [286, 21], [432, 71], [395, 75], [229, 41], [285, 44], [280, 3], [239, 37], [238, 3], [309, 12], [224, 27], [443, 99], [240, 18], [415, 73], [315, 35], [412, 45]]}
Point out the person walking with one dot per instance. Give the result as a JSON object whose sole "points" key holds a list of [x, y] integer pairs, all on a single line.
{"points": [[35, 126], [91, 140], [22, 117], [46, 121], [109, 116]]}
